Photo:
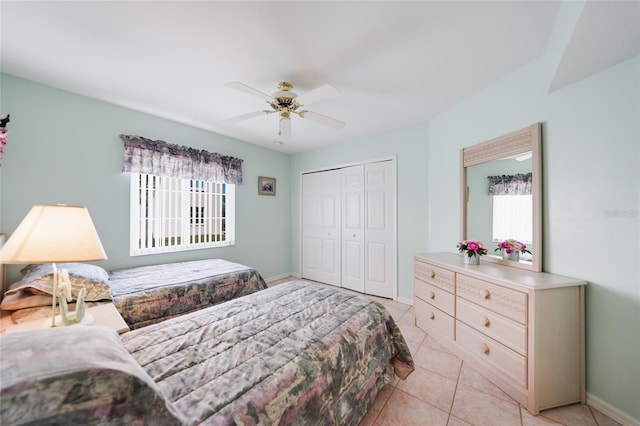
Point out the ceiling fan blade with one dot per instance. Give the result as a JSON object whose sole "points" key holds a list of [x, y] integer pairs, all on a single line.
{"points": [[323, 119], [245, 116], [317, 94], [249, 90], [285, 128]]}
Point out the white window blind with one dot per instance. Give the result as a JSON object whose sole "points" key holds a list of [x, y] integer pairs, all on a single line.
{"points": [[512, 218], [171, 214]]}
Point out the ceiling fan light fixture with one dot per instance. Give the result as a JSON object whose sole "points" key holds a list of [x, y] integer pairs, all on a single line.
{"points": [[285, 102], [284, 94], [282, 103], [284, 130]]}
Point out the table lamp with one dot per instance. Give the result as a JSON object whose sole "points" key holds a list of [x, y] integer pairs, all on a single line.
{"points": [[54, 234]]}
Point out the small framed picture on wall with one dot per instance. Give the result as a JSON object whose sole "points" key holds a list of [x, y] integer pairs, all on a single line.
{"points": [[266, 185]]}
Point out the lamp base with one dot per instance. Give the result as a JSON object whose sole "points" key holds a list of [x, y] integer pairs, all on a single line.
{"points": [[87, 320]]}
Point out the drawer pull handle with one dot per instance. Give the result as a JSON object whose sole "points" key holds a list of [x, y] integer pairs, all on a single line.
{"points": [[485, 349], [432, 316], [432, 295], [486, 294], [486, 321], [433, 274]]}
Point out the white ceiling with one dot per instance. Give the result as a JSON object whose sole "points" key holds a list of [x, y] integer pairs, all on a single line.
{"points": [[395, 63]]}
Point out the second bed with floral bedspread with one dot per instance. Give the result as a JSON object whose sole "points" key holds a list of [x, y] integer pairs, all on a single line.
{"points": [[150, 294]]}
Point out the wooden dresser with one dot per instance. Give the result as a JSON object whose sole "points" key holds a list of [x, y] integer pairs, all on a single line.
{"points": [[523, 330]]}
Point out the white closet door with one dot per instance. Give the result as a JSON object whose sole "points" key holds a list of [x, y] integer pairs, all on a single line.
{"points": [[321, 226], [380, 229], [353, 228]]}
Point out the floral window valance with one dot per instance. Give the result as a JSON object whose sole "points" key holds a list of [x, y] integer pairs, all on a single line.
{"points": [[160, 158], [519, 184]]}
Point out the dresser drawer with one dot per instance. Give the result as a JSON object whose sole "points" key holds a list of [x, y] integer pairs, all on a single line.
{"points": [[432, 320], [435, 296], [442, 278], [508, 363], [505, 331], [505, 301]]}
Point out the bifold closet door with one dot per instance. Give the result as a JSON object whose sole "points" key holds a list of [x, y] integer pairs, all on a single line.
{"points": [[353, 228], [368, 229], [321, 236], [380, 229], [349, 228]]}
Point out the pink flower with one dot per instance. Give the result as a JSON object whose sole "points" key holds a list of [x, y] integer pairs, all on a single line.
{"points": [[471, 247], [511, 245]]}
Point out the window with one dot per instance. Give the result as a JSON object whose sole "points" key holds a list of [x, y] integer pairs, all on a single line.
{"points": [[513, 218], [171, 214]]}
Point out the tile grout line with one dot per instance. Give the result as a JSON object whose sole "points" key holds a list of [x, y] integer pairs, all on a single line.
{"points": [[455, 391], [375, 421], [593, 416]]}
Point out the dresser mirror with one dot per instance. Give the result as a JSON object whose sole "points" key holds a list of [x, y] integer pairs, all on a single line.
{"points": [[501, 195]]}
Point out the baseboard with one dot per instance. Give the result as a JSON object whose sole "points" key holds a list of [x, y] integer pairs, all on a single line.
{"points": [[405, 300], [282, 276], [611, 411]]}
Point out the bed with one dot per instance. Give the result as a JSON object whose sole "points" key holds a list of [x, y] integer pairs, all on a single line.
{"points": [[143, 295], [149, 294], [296, 353]]}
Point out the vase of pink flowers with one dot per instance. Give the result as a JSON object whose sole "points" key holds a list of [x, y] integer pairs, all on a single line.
{"points": [[471, 251], [511, 249]]}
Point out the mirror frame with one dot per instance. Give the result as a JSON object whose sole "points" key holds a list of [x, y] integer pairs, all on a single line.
{"points": [[518, 142]]}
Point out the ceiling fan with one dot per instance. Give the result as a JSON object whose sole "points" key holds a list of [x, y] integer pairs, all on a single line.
{"points": [[285, 103]]}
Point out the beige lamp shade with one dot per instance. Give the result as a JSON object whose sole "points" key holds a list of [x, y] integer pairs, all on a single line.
{"points": [[54, 233]]}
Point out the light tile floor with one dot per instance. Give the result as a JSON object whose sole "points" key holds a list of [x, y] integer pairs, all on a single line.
{"points": [[443, 390]]}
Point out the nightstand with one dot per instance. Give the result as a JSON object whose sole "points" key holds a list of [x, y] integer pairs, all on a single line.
{"points": [[105, 315]]}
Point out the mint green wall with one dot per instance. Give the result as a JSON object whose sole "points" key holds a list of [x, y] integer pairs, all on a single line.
{"points": [[591, 187], [64, 148]]}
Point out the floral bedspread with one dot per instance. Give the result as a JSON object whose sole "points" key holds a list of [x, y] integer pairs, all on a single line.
{"points": [[296, 353], [79, 375], [150, 294]]}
